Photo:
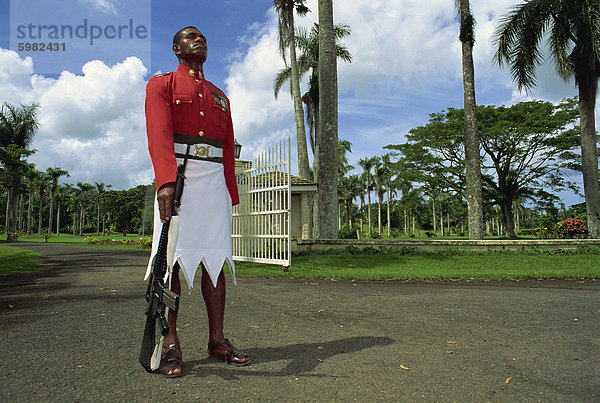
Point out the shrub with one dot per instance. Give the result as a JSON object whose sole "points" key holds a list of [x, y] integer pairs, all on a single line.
{"points": [[347, 233], [571, 228], [545, 232]]}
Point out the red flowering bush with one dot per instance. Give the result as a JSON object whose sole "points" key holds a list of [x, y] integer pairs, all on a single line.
{"points": [[571, 228]]}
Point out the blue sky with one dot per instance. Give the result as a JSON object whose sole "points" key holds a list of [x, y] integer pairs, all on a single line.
{"points": [[406, 65]]}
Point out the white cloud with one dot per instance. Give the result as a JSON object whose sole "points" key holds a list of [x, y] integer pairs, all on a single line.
{"points": [[106, 6], [259, 119], [91, 125]]}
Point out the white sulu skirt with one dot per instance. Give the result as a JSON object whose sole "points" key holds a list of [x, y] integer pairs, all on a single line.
{"points": [[204, 223]]}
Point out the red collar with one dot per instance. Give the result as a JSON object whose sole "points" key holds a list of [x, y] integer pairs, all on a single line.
{"points": [[190, 72]]}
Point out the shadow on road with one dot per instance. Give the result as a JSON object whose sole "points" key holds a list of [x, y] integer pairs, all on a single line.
{"points": [[300, 358]]}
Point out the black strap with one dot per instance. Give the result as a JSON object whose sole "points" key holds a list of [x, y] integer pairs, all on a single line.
{"points": [[191, 139], [194, 157]]}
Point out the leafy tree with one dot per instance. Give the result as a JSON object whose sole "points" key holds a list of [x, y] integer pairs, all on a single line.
{"points": [[99, 193], [389, 186], [381, 176], [367, 164], [18, 125], [54, 174], [82, 200], [287, 40], [573, 35], [527, 146], [471, 136], [308, 62]]}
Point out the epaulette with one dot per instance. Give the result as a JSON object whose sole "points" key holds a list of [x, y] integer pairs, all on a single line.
{"points": [[162, 74]]}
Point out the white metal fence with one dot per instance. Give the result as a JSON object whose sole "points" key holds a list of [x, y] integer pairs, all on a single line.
{"points": [[261, 222]]}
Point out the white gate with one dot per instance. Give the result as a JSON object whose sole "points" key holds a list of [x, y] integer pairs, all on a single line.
{"points": [[261, 222]]}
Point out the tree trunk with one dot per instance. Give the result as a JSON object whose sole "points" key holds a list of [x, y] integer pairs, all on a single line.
{"points": [[20, 213], [303, 165], [58, 218], [369, 202], [6, 219], [11, 216], [471, 136], [50, 212], [589, 155], [81, 221], [433, 214], [379, 228], [29, 212], [40, 216], [389, 220], [98, 221], [327, 138]]}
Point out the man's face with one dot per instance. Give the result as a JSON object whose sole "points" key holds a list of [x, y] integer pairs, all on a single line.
{"points": [[191, 46]]}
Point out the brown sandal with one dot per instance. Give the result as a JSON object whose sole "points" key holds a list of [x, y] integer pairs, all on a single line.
{"points": [[231, 356], [171, 360]]}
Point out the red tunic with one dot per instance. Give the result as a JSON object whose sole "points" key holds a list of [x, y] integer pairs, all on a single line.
{"points": [[184, 102]]}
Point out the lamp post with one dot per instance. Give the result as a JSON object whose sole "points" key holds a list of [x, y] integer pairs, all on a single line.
{"points": [[237, 150]]}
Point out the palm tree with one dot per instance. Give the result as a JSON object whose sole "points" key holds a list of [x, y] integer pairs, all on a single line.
{"points": [[308, 62], [43, 190], [30, 184], [471, 136], [381, 174], [367, 164], [574, 43], [60, 194], [82, 193], [99, 193], [327, 136], [54, 174], [18, 125], [287, 40], [387, 163]]}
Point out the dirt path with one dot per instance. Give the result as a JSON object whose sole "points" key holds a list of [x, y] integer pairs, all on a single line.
{"points": [[73, 334]]}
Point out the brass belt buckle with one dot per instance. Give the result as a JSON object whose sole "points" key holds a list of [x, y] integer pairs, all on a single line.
{"points": [[201, 151]]}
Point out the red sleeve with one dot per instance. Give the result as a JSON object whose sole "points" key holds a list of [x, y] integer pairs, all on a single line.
{"points": [[229, 163], [159, 128]]}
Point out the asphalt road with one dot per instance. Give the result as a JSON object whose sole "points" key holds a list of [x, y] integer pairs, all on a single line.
{"points": [[73, 334]]}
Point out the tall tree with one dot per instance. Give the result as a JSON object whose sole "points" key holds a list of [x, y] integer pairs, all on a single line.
{"points": [[82, 201], [54, 175], [308, 62], [367, 164], [327, 137], [18, 125], [471, 136], [99, 194], [573, 36], [381, 175], [389, 186], [287, 40], [527, 146]]}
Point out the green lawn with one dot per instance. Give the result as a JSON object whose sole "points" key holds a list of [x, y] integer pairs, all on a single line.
{"points": [[74, 239], [467, 266], [539, 263], [17, 260]]}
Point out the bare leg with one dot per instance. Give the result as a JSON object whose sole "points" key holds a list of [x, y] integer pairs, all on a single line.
{"points": [[214, 297]]}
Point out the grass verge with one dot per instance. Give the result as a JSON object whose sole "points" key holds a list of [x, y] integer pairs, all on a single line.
{"points": [[466, 266], [17, 260]]}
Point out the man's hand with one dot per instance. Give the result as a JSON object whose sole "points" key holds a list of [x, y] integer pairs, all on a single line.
{"points": [[165, 201]]}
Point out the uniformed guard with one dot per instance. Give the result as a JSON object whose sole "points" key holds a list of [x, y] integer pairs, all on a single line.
{"points": [[183, 108]]}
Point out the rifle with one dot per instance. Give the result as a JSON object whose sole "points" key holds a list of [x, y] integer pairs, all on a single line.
{"points": [[158, 293]]}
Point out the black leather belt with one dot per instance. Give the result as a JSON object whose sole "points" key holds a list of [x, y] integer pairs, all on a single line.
{"points": [[190, 139], [210, 150]]}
